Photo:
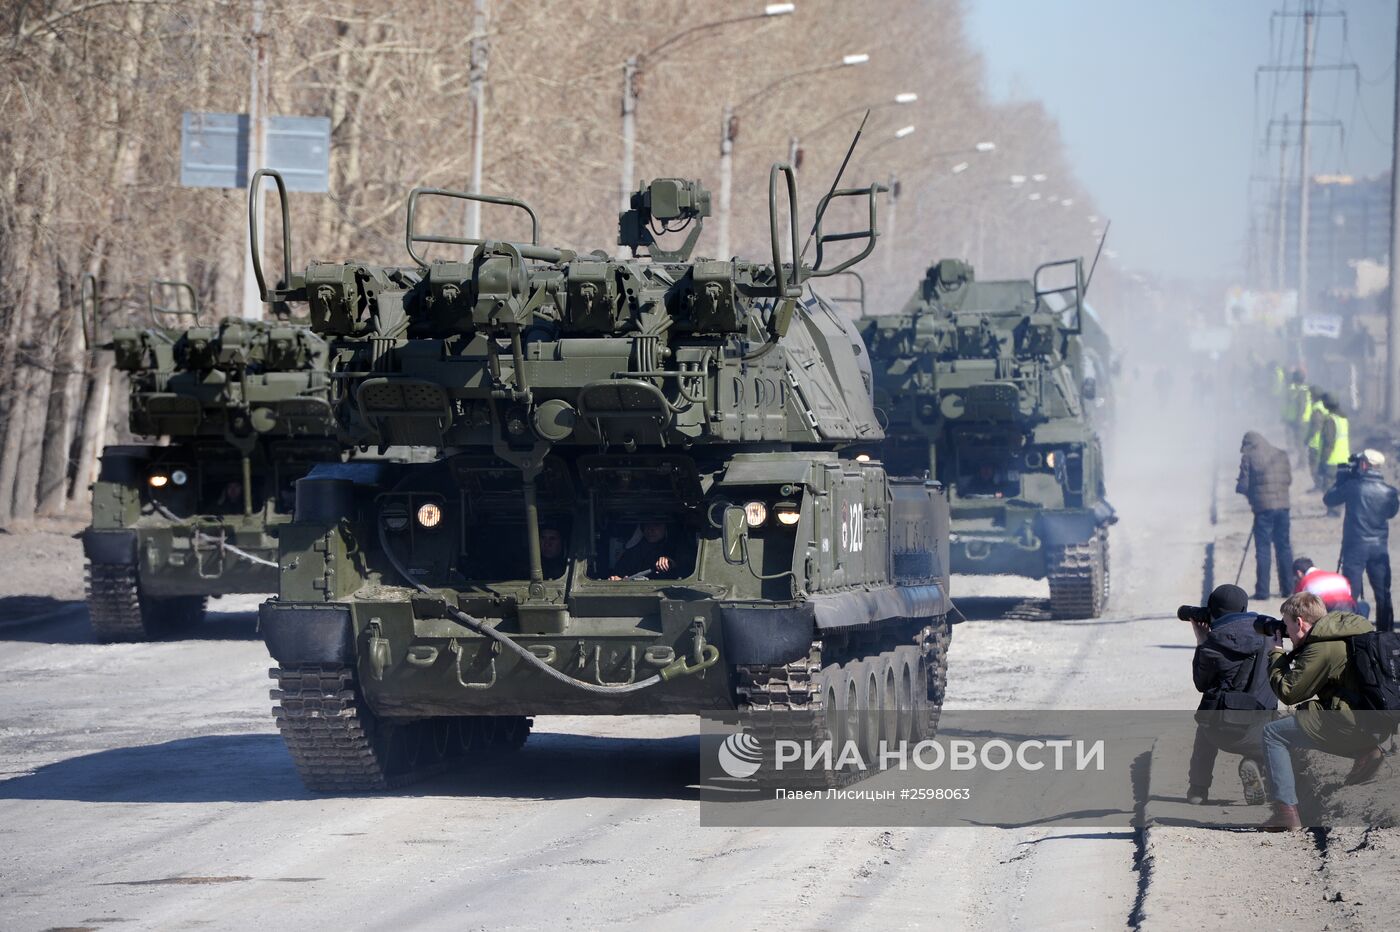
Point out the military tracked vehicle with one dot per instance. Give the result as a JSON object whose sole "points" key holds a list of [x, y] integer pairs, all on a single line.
{"points": [[646, 501], [979, 388], [236, 412]]}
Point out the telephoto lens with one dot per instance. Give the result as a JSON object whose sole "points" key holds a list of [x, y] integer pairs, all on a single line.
{"points": [[1198, 613], [1270, 627]]}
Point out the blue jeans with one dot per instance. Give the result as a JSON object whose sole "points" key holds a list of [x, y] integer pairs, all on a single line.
{"points": [[1271, 532], [1375, 562], [1281, 737]]}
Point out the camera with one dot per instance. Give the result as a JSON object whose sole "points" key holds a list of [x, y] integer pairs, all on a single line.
{"points": [[1270, 627], [1351, 468], [1197, 613]]}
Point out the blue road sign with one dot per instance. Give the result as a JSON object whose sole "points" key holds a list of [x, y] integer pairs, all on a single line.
{"points": [[214, 150]]}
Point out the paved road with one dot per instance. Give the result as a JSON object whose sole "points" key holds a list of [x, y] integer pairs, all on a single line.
{"points": [[144, 786]]}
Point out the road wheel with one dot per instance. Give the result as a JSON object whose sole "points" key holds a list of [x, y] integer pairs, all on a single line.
{"points": [[868, 710], [911, 694], [890, 717]]}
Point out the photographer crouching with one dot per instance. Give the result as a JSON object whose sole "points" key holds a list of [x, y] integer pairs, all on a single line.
{"points": [[1318, 674], [1231, 671]]}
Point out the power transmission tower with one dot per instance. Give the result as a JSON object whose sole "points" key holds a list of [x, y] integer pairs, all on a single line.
{"points": [[1309, 15]]}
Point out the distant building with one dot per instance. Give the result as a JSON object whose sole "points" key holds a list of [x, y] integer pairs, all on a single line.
{"points": [[1348, 223]]}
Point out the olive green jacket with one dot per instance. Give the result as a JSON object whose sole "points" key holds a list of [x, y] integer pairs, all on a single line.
{"points": [[1317, 670]]}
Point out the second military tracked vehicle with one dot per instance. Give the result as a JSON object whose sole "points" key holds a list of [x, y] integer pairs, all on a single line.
{"points": [[981, 387], [234, 413]]}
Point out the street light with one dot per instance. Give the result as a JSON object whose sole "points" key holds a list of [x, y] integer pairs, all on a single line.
{"points": [[903, 131], [908, 97], [633, 66], [729, 131]]}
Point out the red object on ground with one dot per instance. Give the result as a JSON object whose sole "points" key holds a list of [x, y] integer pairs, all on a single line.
{"points": [[1332, 588]]}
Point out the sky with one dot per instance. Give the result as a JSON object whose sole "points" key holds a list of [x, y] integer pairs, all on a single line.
{"points": [[1157, 106]]}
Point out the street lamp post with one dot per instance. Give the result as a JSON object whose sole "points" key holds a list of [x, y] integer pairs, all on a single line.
{"points": [[892, 216], [476, 92], [729, 130], [632, 68], [901, 99]]}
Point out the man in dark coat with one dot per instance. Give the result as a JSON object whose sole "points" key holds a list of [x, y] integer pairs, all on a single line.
{"points": [[1265, 477], [1231, 671], [1370, 504]]}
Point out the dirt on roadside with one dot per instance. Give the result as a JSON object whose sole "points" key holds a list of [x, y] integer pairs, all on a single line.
{"points": [[41, 568]]}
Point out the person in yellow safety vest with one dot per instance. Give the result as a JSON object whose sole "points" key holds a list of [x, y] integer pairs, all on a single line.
{"points": [[1330, 440], [1314, 415], [1334, 447]]}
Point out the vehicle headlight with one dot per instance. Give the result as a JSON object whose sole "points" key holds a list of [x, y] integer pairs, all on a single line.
{"points": [[157, 480], [1050, 459], [179, 477], [787, 513], [862, 457], [430, 514], [755, 513], [395, 518]]}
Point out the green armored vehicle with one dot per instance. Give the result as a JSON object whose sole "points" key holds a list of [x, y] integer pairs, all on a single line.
{"points": [[243, 409], [980, 388], [647, 501]]}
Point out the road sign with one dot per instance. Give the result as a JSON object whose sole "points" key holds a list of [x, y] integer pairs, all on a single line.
{"points": [[214, 150], [1323, 325]]}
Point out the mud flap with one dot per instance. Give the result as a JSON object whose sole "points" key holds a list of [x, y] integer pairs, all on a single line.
{"points": [[116, 547], [1066, 529], [297, 634], [768, 636]]}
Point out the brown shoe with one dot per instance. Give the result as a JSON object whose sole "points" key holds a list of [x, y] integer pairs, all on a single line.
{"points": [[1284, 819], [1365, 767]]}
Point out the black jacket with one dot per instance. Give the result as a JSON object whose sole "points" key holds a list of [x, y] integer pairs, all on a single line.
{"points": [[1370, 504], [1223, 658]]}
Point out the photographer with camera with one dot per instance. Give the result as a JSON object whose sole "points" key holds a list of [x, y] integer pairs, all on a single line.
{"points": [[1231, 671], [1265, 477], [1319, 675], [1370, 504]]}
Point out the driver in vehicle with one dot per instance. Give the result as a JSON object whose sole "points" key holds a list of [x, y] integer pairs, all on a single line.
{"points": [[656, 554], [986, 481]]}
